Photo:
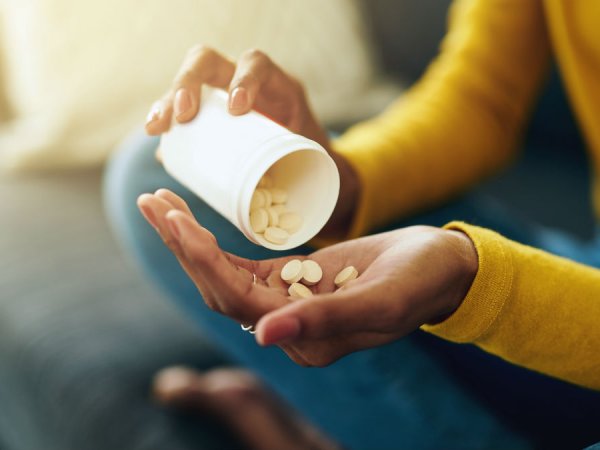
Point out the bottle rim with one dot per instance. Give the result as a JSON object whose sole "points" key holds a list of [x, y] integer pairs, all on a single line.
{"points": [[267, 154]]}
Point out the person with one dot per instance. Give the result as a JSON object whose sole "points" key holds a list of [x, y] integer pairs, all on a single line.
{"points": [[532, 303]]}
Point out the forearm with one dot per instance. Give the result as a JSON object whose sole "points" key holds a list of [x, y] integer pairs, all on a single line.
{"points": [[461, 122], [531, 308]]}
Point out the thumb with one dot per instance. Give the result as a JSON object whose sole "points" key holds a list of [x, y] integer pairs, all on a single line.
{"points": [[360, 308]]}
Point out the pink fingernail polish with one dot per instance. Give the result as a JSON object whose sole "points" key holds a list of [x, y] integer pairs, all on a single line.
{"points": [[154, 114], [183, 102], [239, 98]]}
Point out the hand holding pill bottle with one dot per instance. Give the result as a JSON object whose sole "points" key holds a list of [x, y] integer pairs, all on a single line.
{"points": [[275, 104], [244, 166]]}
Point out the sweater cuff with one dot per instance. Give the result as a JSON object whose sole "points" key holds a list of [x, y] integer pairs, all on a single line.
{"points": [[488, 293]]}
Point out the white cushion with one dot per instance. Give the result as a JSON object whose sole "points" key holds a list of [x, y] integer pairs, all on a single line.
{"points": [[80, 74]]}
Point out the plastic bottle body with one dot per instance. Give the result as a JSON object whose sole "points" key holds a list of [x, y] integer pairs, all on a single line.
{"points": [[221, 158]]}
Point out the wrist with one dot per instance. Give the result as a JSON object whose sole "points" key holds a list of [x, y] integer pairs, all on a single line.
{"points": [[466, 263], [345, 208]]}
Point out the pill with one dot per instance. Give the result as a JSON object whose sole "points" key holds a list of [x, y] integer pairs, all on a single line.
{"points": [[292, 272], [273, 217], [279, 196], [280, 209], [268, 197], [258, 200], [276, 235], [297, 290], [266, 181], [290, 222], [347, 274], [312, 272], [259, 220]]}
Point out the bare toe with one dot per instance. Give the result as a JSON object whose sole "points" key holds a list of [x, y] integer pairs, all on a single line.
{"points": [[174, 385], [238, 397]]}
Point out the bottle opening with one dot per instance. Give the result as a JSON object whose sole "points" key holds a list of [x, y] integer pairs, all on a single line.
{"points": [[311, 180]]}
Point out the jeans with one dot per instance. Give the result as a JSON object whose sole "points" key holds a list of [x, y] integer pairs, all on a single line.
{"points": [[419, 392]]}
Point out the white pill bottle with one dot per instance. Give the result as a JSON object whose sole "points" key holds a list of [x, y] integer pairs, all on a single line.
{"points": [[221, 158]]}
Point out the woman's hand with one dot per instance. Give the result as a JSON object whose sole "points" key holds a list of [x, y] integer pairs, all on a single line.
{"points": [[254, 82], [407, 277]]}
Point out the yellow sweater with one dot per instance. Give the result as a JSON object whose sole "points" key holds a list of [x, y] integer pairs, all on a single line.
{"points": [[463, 121]]}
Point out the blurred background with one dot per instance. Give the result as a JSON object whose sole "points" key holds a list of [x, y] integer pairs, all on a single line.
{"points": [[76, 77]]}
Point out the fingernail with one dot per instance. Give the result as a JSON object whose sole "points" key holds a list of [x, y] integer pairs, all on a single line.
{"points": [[281, 330], [183, 102], [154, 114], [149, 215], [174, 226], [238, 98]]}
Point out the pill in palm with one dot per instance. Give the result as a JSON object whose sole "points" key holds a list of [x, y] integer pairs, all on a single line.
{"points": [[345, 275], [297, 290], [290, 221], [273, 217], [292, 272], [276, 235], [259, 220], [312, 272], [278, 196]]}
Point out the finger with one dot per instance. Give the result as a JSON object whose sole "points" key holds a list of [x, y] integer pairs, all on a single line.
{"points": [[323, 352], [257, 73], [155, 210], [159, 117], [175, 200], [364, 307], [143, 203], [158, 210], [260, 268], [237, 295], [295, 355], [202, 65]]}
